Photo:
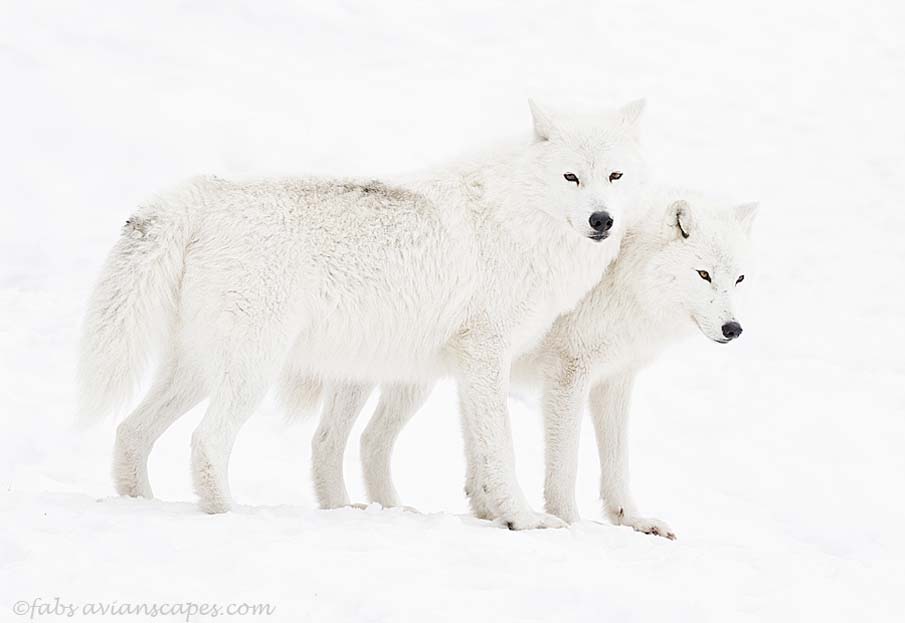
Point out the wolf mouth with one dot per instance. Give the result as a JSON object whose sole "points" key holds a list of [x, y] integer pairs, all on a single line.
{"points": [[597, 237], [701, 329]]}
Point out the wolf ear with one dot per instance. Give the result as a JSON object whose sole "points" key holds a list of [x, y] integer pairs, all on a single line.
{"points": [[679, 218], [745, 214], [631, 113], [544, 127]]}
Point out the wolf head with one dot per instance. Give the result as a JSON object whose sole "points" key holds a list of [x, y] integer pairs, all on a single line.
{"points": [[589, 168], [700, 267]]}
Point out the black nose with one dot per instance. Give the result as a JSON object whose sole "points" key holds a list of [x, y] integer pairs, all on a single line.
{"points": [[601, 221], [732, 330]]}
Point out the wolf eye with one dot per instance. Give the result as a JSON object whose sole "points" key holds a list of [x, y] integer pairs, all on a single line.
{"points": [[740, 279], [704, 275], [615, 175], [571, 177]]}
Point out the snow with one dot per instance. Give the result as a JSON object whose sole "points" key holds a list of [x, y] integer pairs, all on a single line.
{"points": [[775, 459]]}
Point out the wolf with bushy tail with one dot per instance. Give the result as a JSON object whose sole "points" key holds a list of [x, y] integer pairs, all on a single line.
{"points": [[453, 273]]}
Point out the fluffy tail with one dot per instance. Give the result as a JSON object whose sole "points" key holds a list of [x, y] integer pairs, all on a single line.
{"points": [[132, 309]]}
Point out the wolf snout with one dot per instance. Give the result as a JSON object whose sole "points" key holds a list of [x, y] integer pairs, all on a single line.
{"points": [[731, 330], [601, 222]]}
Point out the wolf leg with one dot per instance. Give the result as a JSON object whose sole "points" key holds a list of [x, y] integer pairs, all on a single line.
{"points": [[609, 403], [564, 397], [483, 394], [341, 408], [398, 403], [213, 440], [243, 377], [176, 389]]}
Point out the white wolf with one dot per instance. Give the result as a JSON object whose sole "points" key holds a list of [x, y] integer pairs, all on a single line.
{"points": [[451, 273], [679, 268]]}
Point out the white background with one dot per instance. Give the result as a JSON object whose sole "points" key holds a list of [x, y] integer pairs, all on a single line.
{"points": [[779, 460]]}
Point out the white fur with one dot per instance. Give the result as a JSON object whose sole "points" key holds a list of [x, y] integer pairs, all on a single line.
{"points": [[651, 296], [358, 282]]}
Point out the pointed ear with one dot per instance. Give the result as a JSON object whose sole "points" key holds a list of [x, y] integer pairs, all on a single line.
{"points": [[745, 214], [544, 127], [679, 218], [631, 112]]}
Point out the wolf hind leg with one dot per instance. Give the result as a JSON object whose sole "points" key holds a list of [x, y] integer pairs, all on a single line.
{"points": [[212, 441], [177, 388], [243, 377], [398, 403], [342, 406]]}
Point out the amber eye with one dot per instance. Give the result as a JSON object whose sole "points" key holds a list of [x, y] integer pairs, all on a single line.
{"points": [[571, 177], [615, 175], [740, 279], [704, 275]]}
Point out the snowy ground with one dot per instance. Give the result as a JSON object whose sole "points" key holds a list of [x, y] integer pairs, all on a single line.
{"points": [[776, 459]]}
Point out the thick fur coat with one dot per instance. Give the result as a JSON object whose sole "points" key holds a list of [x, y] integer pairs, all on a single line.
{"points": [[452, 273], [679, 269]]}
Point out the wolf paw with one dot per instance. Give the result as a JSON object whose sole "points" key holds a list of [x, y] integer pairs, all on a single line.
{"points": [[649, 525], [131, 480], [214, 505], [531, 521], [406, 509], [402, 507], [211, 488], [130, 468]]}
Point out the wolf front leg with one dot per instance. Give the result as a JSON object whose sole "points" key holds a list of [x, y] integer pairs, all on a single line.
{"points": [[609, 402], [564, 396], [491, 483]]}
